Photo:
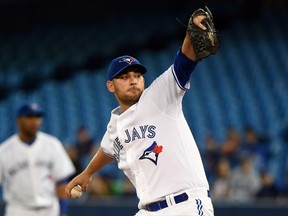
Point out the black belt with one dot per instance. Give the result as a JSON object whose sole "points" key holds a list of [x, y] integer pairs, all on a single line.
{"points": [[155, 206]]}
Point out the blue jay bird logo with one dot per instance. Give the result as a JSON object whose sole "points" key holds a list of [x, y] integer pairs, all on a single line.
{"points": [[129, 60], [152, 153]]}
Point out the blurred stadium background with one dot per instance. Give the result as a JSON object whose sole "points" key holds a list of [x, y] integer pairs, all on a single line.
{"points": [[56, 52]]}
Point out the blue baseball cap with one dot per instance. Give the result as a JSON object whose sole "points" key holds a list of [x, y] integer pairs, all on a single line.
{"points": [[119, 64], [30, 109]]}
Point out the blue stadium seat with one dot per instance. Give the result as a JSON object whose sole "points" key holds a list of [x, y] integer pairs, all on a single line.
{"points": [[244, 84]]}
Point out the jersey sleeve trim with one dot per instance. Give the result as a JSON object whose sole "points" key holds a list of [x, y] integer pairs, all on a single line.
{"points": [[182, 69], [108, 154], [62, 181], [177, 81]]}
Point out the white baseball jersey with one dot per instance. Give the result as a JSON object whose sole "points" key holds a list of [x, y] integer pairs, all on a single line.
{"points": [[28, 174], [153, 144]]}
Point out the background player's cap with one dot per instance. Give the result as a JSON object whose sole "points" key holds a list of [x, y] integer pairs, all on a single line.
{"points": [[121, 63], [30, 109]]}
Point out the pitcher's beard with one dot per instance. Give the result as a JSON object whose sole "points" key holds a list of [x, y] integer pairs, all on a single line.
{"points": [[130, 97], [130, 100]]}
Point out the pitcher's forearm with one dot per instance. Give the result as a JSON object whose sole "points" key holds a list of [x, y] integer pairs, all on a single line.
{"points": [[99, 160]]}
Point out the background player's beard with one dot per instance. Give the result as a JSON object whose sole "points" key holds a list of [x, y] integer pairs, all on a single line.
{"points": [[27, 134], [30, 132]]}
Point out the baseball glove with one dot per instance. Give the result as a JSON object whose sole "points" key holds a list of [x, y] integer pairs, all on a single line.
{"points": [[204, 42]]}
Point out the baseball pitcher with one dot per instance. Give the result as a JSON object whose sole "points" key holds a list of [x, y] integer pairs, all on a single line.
{"points": [[148, 134]]}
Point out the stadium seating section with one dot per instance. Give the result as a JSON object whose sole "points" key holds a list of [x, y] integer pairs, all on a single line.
{"points": [[246, 83]]}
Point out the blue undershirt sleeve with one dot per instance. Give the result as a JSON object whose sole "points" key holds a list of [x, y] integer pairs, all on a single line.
{"points": [[63, 202], [183, 68], [63, 207]]}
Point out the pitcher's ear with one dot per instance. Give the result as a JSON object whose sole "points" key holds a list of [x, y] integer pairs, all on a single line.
{"points": [[110, 86]]}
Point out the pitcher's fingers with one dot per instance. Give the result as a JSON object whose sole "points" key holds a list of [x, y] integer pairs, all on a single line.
{"points": [[84, 188], [197, 20], [68, 189]]}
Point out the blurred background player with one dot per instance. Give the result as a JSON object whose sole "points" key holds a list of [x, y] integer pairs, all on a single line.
{"points": [[34, 168]]}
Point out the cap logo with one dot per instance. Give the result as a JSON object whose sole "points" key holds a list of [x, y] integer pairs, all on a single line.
{"points": [[129, 60], [34, 106]]}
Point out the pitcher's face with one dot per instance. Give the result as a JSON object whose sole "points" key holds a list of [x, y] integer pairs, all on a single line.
{"points": [[127, 87]]}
